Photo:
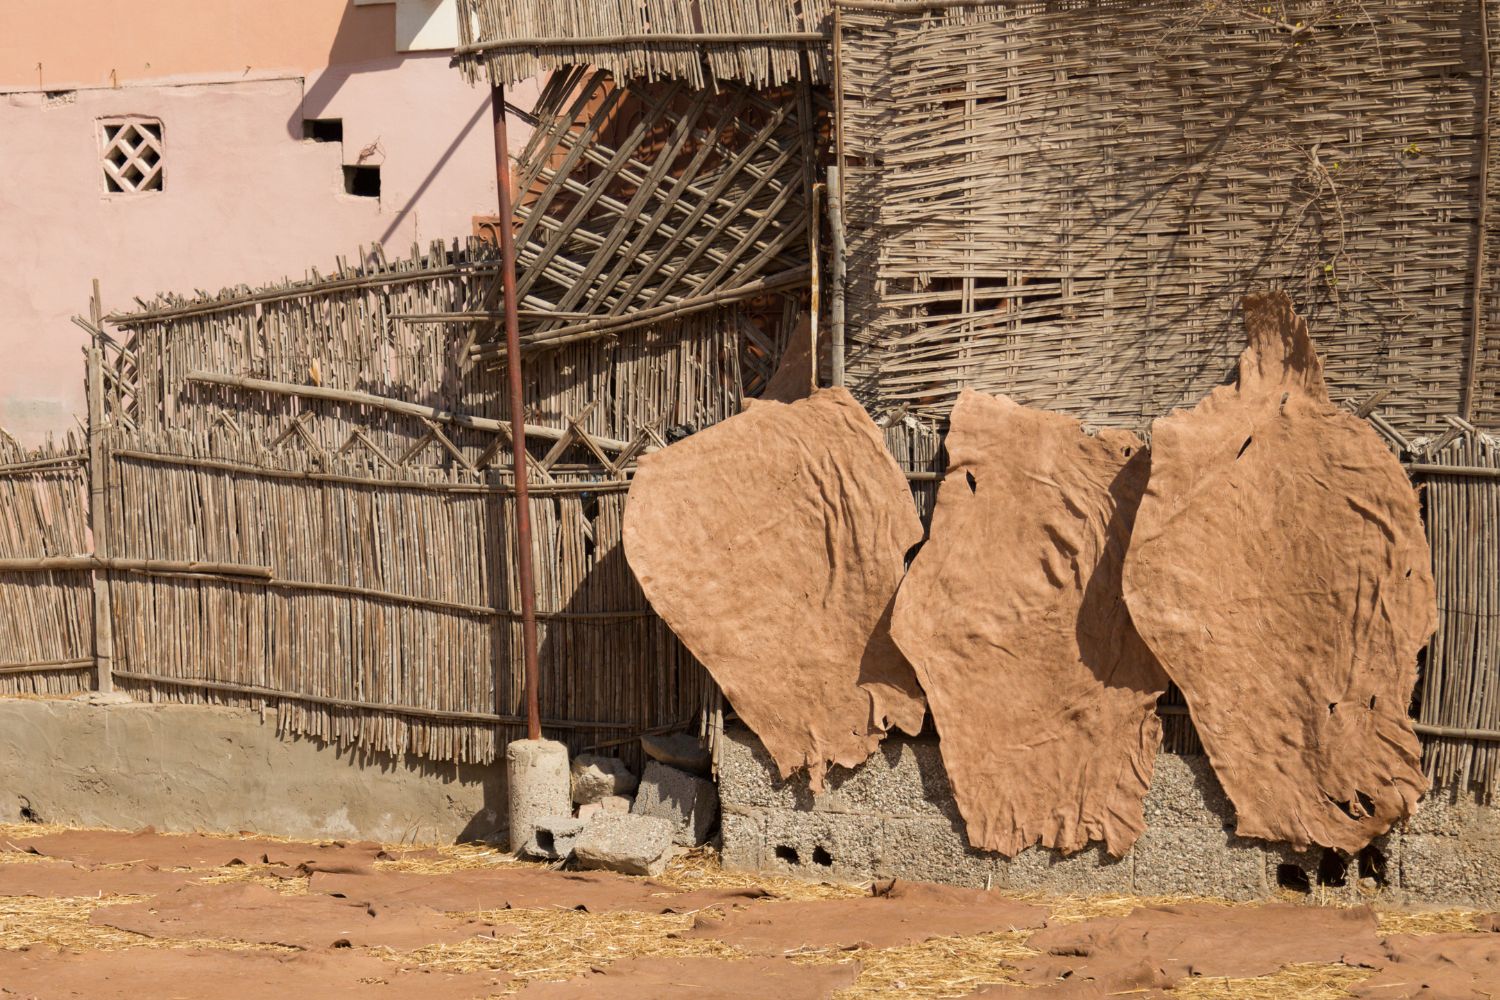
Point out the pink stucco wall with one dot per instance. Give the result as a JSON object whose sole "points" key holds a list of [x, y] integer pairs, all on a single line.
{"points": [[246, 199]]}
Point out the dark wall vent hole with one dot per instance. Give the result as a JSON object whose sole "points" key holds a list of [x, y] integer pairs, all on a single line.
{"points": [[822, 857], [1372, 865], [362, 182], [1292, 877], [1332, 868], [323, 129], [787, 854]]}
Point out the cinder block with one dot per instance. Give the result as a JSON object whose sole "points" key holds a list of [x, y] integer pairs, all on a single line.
{"points": [[1084, 872], [933, 850], [1198, 861], [744, 841], [1448, 812], [823, 845], [1451, 870], [688, 802], [748, 776], [1186, 792], [553, 837], [903, 778]]}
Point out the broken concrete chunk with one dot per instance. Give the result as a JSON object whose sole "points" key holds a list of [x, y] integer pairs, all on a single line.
{"points": [[688, 802], [553, 837], [613, 805], [594, 777], [633, 845], [683, 751]]}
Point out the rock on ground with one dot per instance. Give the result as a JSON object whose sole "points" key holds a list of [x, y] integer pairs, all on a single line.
{"points": [[634, 845], [595, 777], [683, 751]]}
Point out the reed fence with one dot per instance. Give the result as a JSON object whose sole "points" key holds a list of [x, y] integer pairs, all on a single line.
{"points": [[1458, 710], [765, 43], [308, 506], [47, 628]]}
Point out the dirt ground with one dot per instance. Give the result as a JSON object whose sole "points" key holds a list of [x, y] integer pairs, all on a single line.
{"points": [[242, 905]]}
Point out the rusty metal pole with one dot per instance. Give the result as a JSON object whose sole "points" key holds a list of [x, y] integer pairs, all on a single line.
{"points": [[517, 414]]}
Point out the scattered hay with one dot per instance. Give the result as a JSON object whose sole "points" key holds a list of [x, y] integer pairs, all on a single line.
{"points": [[701, 869], [29, 921], [452, 858], [1305, 982], [1428, 921], [1072, 909], [939, 968], [560, 944]]}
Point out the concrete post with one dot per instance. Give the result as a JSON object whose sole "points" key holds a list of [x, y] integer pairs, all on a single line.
{"points": [[537, 785]]}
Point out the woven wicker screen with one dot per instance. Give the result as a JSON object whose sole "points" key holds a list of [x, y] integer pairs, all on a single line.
{"points": [[764, 43], [1066, 201]]}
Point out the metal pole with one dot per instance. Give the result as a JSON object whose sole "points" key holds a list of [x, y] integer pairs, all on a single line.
{"points": [[517, 414]]}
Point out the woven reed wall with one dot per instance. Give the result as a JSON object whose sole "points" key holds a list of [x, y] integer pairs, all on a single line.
{"points": [[46, 618], [1065, 202], [586, 32], [390, 616], [1461, 676]]}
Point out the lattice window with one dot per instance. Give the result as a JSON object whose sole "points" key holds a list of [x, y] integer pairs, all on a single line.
{"points": [[132, 154]]}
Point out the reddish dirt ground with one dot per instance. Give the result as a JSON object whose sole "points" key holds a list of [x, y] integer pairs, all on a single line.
{"points": [[105, 914]]}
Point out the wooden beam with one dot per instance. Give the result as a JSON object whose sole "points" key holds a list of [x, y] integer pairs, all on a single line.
{"points": [[606, 326], [644, 38], [382, 403]]}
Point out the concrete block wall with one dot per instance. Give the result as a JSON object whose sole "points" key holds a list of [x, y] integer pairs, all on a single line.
{"points": [[894, 816]]}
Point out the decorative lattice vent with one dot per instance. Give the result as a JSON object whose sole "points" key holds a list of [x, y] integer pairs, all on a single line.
{"points": [[133, 160]]}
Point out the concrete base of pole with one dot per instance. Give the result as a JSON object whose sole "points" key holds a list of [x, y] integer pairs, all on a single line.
{"points": [[537, 783]]}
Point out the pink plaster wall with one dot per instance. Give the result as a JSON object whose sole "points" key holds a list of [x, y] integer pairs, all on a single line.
{"points": [[56, 44], [246, 199]]}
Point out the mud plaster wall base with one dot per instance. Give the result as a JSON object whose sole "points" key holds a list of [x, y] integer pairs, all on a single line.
{"points": [[894, 817], [190, 767]]}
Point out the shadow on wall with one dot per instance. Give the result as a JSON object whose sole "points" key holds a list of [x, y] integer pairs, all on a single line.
{"points": [[363, 32]]}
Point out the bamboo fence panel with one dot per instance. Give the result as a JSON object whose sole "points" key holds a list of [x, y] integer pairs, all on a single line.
{"points": [[1460, 689], [1066, 202], [388, 618], [764, 43], [46, 617]]}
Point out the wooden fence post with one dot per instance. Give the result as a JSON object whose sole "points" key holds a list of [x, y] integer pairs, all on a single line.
{"points": [[104, 646]]}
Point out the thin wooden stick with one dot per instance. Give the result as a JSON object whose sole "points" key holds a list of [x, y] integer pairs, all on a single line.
{"points": [[63, 564], [363, 706], [383, 403], [46, 666]]}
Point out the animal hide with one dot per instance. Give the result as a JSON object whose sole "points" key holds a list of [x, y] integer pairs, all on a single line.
{"points": [[1043, 695], [772, 544], [1280, 573]]}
